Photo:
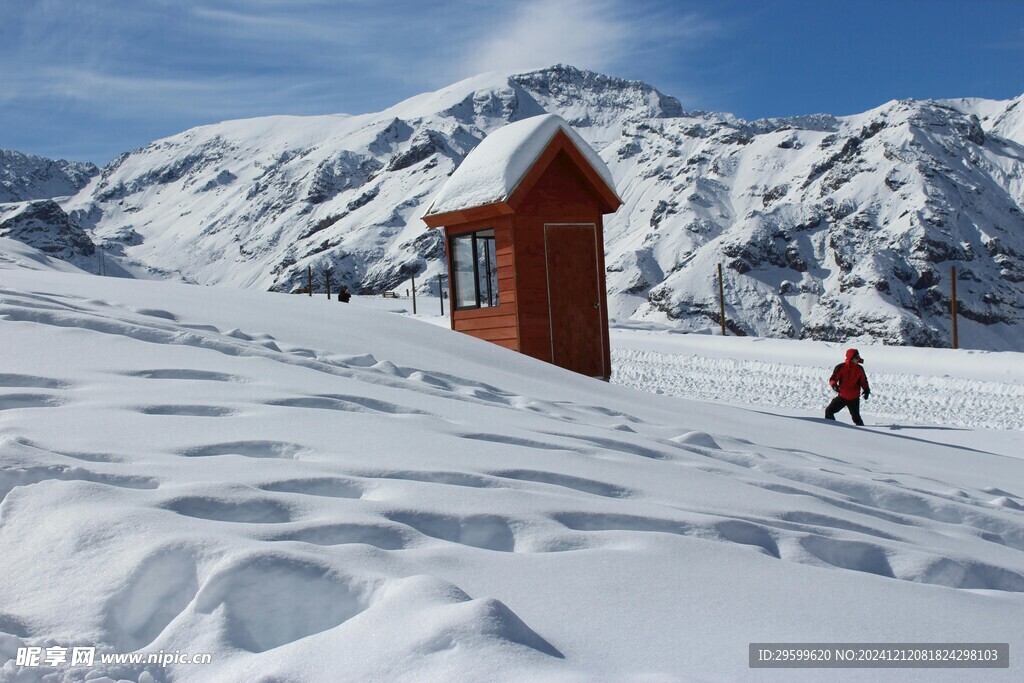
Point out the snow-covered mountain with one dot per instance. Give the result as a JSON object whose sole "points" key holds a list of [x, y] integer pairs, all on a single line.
{"points": [[253, 203], [26, 176], [829, 227]]}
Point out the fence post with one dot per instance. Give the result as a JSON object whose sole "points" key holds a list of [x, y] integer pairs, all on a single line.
{"points": [[309, 279], [414, 295], [721, 298], [952, 305], [440, 293], [327, 275]]}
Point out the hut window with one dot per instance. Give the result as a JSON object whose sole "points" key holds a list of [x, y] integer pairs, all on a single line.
{"points": [[475, 268]]}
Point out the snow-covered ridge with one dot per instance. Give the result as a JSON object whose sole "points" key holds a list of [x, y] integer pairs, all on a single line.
{"points": [[27, 176], [829, 227]]}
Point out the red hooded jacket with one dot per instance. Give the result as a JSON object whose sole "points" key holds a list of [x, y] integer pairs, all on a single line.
{"points": [[849, 377]]}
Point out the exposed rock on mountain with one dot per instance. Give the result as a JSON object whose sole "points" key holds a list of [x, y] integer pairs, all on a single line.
{"points": [[26, 176], [45, 226]]}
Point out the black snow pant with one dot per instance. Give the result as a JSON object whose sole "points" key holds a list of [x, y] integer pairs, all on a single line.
{"points": [[838, 403]]}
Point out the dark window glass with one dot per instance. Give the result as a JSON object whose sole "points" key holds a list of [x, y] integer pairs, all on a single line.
{"points": [[475, 268], [487, 269], [462, 263]]}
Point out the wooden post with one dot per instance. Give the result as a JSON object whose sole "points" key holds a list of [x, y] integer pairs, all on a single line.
{"points": [[440, 293], [952, 305], [721, 298], [309, 279], [327, 276], [414, 295]]}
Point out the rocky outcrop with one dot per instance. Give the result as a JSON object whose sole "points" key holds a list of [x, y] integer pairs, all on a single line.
{"points": [[45, 226]]}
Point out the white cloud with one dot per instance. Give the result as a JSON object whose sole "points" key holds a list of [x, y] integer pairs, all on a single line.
{"points": [[145, 97], [545, 32], [269, 26], [619, 37]]}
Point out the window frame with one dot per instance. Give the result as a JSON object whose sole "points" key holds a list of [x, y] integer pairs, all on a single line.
{"points": [[481, 256]]}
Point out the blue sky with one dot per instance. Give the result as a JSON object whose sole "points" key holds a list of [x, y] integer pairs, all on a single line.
{"points": [[88, 79]]}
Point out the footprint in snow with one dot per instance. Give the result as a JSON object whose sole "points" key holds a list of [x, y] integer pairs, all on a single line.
{"points": [[380, 536], [28, 400], [322, 486], [31, 382], [188, 411], [185, 374], [247, 511], [247, 449], [272, 599], [488, 532]]}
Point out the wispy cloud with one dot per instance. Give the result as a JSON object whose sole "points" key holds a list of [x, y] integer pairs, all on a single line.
{"points": [[282, 24], [142, 95], [642, 39], [621, 37], [543, 32]]}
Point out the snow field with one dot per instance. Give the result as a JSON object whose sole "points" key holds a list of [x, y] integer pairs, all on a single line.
{"points": [[326, 492], [896, 399]]}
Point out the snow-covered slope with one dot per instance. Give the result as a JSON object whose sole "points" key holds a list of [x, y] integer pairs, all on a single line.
{"points": [[324, 492], [829, 227], [16, 255]]}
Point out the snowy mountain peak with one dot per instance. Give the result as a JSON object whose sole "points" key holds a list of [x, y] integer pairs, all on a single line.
{"points": [[586, 99]]}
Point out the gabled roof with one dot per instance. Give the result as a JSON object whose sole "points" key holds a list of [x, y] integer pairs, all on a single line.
{"points": [[493, 172]]}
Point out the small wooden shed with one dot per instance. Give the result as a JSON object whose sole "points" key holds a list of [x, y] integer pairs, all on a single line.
{"points": [[523, 220]]}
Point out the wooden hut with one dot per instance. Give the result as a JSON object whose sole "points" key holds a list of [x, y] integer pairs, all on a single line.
{"points": [[523, 221]]}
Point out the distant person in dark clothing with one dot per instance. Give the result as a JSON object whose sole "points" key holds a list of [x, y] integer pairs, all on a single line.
{"points": [[848, 379], [344, 295]]}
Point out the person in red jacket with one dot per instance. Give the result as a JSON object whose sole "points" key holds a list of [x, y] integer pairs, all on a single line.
{"points": [[848, 379]]}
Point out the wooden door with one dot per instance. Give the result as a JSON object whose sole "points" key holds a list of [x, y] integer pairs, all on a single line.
{"points": [[574, 297]]}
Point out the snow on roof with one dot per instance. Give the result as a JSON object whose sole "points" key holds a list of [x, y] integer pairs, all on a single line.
{"points": [[494, 168]]}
